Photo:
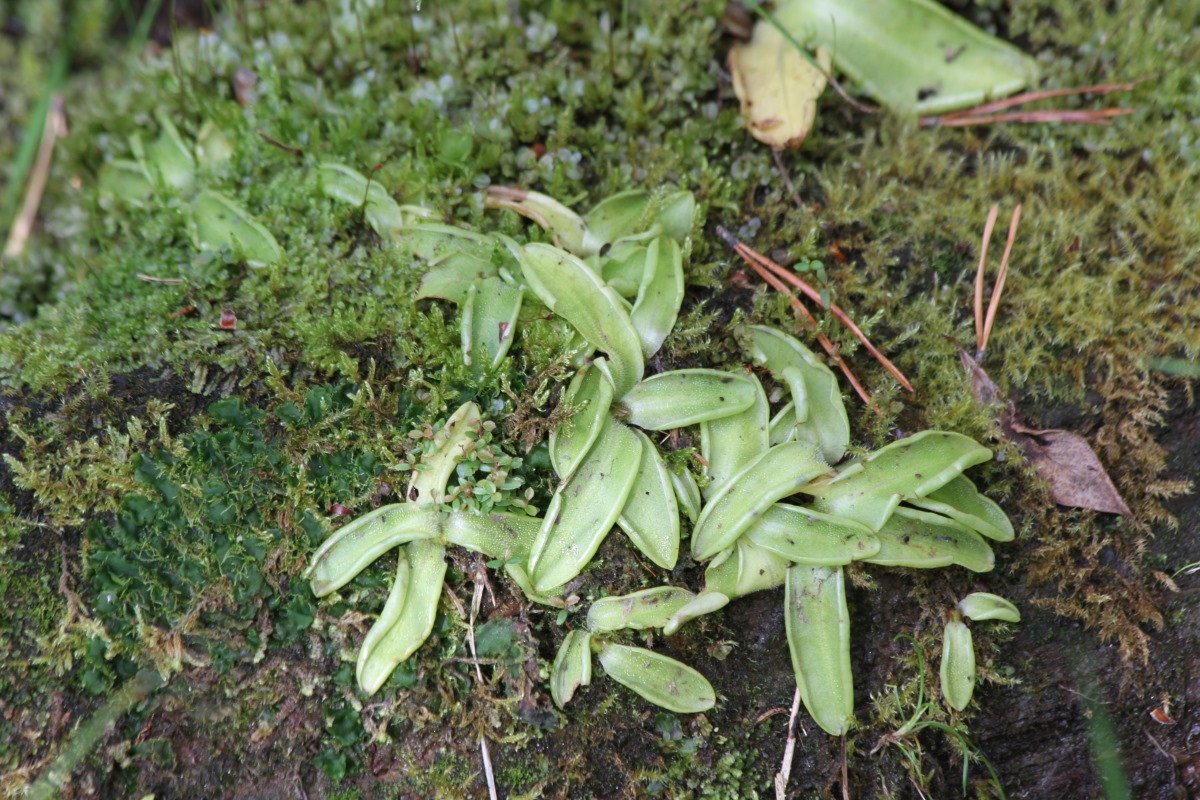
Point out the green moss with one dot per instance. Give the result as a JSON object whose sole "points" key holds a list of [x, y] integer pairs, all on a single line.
{"points": [[183, 533]]}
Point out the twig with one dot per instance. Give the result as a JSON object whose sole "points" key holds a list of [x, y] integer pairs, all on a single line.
{"points": [[55, 127], [785, 768], [476, 602], [787, 179]]}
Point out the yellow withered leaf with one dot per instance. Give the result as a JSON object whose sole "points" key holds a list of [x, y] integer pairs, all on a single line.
{"points": [[777, 86]]}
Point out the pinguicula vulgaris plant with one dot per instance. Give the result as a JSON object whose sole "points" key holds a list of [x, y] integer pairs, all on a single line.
{"points": [[782, 505]]}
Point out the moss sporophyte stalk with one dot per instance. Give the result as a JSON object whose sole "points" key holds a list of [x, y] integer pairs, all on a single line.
{"points": [[777, 502]]}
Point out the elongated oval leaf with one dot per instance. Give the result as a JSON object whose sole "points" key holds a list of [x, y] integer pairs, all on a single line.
{"points": [[958, 665], [748, 569], [914, 56], [431, 242], [572, 666], [497, 534], [660, 294], [613, 218], [685, 397], [960, 501], [218, 222], [912, 467], [584, 509], [774, 475], [590, 394], [562, 223], [729, 444], [382, 212], [393, 609], [649, 608], [624, 267], [981, 606], [687, 493], [650, 517], [169, 158], [127, 180], [820, 413], [489, 323], [912, 538], [818, 632], [355, 545], [806, 536], [663, 681], [451, 444], [410, 630], [572, 290], [453, 276], [704, 603]]}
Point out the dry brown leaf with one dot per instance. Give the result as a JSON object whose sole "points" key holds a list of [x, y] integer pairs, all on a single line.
{"points": [[1067, 461], [777, 86], [1077, 478]]}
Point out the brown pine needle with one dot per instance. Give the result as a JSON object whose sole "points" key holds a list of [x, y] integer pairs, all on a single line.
{"points": [[983, 249], [1045, 94], [985, 114], [983, 325], [752, 256], [828, 346]]}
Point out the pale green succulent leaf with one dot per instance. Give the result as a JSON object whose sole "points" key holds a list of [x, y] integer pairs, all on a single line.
{"points": [[496, 534], [169, 157], [961, 501], [687, 493], [663, 681], [729, 444], [613, 218], [806, 536], [981, 606], [913, 56], [624, 267], [570, 289], [585, 508], [431, 243], [381, 210], [572, 666], [685, 397], [359, 542], [590, 393], [213, 147], [649, 608], [747, 569], [704, 603], [910, 468], [451, 444], [489, 323], [393, 608], [818, 631], [958, 665], [564, 225], [912, 538], [453, 276], [650, 517], [820, 412], [217, 221], [660, 294], [401, 638], [126, 180], [774, 475]]}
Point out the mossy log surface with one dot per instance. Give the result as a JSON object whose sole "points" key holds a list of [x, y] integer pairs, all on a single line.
{"points": [[180, 430]]}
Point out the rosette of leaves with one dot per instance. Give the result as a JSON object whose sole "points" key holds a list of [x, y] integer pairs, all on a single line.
{"points": [[169, 165], [907, 504]]}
